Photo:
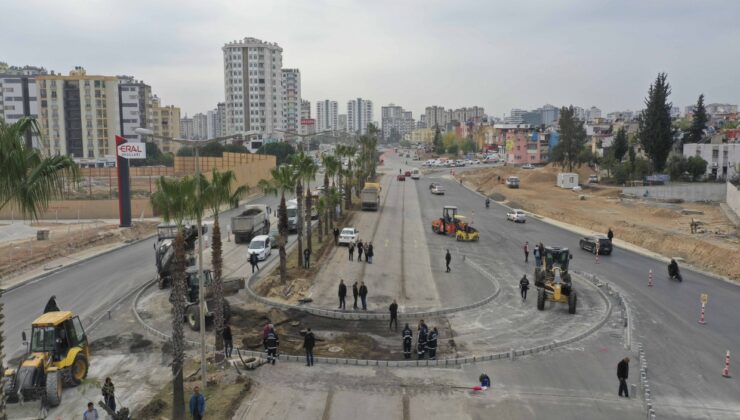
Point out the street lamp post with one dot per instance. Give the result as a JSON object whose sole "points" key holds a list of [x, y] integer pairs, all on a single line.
{"points": [[197, 144]]}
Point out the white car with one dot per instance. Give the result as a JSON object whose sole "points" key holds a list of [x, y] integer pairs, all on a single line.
{"points": [[517, 216], [260, 245], [348, 235], [436, 189], [528, 166]]}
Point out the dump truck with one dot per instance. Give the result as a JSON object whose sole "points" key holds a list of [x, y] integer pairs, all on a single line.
{"points": [[370, 196], [58, 356], [292, 209], [192, 307], [253, 221], [553, 281]]}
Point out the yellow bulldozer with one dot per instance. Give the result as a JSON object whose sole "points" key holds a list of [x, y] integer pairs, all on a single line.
{"points": [[553, 281], [58, 356]]}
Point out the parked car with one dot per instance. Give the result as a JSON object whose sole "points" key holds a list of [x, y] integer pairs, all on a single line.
{"points": [[517, 216], [528, 166], [407, 174], [348, 235], [401, 177], [512, 182], [260, 245], [593, 179], [437, 189], [588, 243]]}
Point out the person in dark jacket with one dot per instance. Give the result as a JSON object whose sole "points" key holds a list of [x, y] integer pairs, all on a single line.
{"points": [[610, 235], [360, 250], [228, 341], [421, 346], [308, 342], [394, 314], [363, 295], [351, 248], [524, 286], [197, 404], [51, 305], [355, 293], [369, 253], [109, 394], [485, 381], [336, 236], [271, 344], [432, 343], [342, 294], [408, 337], [307, 258], [254, 261], [526, 251], [448, 258], [623, 371]]}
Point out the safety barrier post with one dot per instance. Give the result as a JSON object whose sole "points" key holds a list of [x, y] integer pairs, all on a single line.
{"points": [[650, 278], [726, 371]]}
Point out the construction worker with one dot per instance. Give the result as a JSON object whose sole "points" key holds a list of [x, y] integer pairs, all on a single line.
{"points": [[271, 344], [524, 286], [394, 314], [485, 381], [51, 305], [342, 294], [422, 340], [408, 336], [448, 258], [432, 344]]}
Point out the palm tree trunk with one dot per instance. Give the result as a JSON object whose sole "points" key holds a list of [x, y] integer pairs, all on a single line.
{"points": [[348, 187], [299, 220], [309, 204], [321, 232], [283, 231], [218, 285], [3, 416], [178, 349]]}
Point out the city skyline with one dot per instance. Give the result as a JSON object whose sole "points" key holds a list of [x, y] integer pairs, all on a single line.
{"points": [[611, 71]]}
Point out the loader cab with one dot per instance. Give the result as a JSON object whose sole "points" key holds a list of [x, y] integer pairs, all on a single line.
{"points": [[557, 257], [56, 333], [449, 213], [193, 283]]}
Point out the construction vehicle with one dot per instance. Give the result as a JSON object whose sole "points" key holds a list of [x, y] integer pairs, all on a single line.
{"points": [[164, 249], [192, 307], [450, 222], [292, 210], [253, 221], [467, 234], [57, 356], [553, 281], [370, 196]]}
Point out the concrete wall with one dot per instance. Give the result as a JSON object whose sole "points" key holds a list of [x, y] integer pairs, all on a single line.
{"points": [[686, 192], [733, 198], [85, 209]]}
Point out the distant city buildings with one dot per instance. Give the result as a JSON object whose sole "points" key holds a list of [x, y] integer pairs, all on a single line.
{"points": [[136, 107], [359, 115], [327, 115], [19, 95], [165, 123], [342, 126], [200, 127], [291, 102], [308, 124], [396, 123], [186, 128]]}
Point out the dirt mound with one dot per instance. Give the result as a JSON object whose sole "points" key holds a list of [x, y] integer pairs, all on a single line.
{"points": [[153, 409], [667, 213]]}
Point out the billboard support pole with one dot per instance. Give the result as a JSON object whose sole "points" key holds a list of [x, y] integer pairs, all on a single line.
{"points": [[124, 188]]}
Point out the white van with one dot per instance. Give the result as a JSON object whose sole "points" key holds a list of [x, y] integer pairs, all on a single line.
{"points": [[415, 173], [260, 245], [512, 182]]}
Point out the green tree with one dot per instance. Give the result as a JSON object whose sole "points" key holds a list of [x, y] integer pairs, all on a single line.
{"points": [[186, 151], [698, 122], [214, 149], [642, 168], [655, 132], [283, 151], [453, 149], [696, 167], [567, 153], [305, 170], [622, 173], [283, 180], [676, 166], [468, 145], [437, 142], [620, 144], [174, 200], [332, 169], [217, 193], [235, 148]]}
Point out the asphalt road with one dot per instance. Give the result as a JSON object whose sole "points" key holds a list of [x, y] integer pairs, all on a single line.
{"points": [[88, 288]]}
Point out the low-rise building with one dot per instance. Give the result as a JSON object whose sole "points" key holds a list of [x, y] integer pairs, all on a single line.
{"points": [[723, 159]]}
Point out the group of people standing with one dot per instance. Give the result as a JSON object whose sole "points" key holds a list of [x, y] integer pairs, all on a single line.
{"points": [[358, 289], [426, 342], [362, 248], [538, 252]]}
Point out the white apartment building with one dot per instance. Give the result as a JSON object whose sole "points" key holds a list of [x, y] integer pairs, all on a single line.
{"points": [[200, 126], [327, 116], [253, 89], [19, 96], [515, 117], [291, 102], [213, 124], [359, 115], [342, 126], [186, 128], [722, 159], [436, 116], [593, 113], [396, 123], [135, 101], [80, 115], [165, 123]]}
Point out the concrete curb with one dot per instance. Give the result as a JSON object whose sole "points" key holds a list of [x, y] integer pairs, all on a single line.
{"points": [[511, 354]]}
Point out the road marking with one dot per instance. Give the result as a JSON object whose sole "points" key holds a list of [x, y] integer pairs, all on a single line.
{"points": [[386, 243], [415, 244]]}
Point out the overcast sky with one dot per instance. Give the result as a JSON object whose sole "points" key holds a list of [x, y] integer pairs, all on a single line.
{"points": [[495, 54]]}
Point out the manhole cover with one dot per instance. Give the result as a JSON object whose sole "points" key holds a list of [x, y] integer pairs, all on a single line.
{"points": [[334, 349]]}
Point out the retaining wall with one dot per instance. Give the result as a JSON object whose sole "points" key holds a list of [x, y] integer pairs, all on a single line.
{"points": [[733, 198], [686, 192]]}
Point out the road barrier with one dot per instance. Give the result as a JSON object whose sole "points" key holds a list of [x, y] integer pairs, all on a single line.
{"points": [[701, 318], [726, 371], [650, 278]]}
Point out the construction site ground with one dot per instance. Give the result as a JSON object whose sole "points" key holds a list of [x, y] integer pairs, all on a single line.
{"points": [[661, 227]]}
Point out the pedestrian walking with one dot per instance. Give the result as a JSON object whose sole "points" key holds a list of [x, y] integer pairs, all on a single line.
{"points": [[537, 256], [308, 342], [369, 253], [228, 341], [524, 286], [432, 344], [336, 236], [342, 294], [91, 413], [351, 248], [394, 314], [197, 404], [408, 337], [360, 250], [355, 293], [254, 261], [526, 252], [271, 344], [363, 295], [51, 305], [109, 394], [307, 258], [623, 371], [610, 235], [448, 258]]}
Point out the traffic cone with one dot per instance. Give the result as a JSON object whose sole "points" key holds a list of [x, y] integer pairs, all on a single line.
{"points": [[726, 372], [650, 278], [597, 256], [701, 319]]}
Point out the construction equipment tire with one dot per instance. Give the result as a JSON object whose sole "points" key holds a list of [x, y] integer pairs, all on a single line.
{"points": [[75, 374], [572, 302], [193, 317], [540, 299], [54, 388]]}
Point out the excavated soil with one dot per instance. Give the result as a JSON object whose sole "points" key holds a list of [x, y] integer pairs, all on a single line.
{"points": [[657, 226]]}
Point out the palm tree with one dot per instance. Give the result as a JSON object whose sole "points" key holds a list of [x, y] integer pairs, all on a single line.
{"points": [[332, 201], [348, 152], [307, 168], [174, 200], [28, 181], [283, 179], [321, 209], [332, 166], [296, 161], [217, 193]]}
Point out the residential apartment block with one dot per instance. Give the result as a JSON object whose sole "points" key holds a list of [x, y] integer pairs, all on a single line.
{"points": [[359, 115], [200, 126], [79, 114], [19, 96], [166, 123], [135, 102], [723, 159], [291, 102], [186, 128], [396, 123], [327, 115]]}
